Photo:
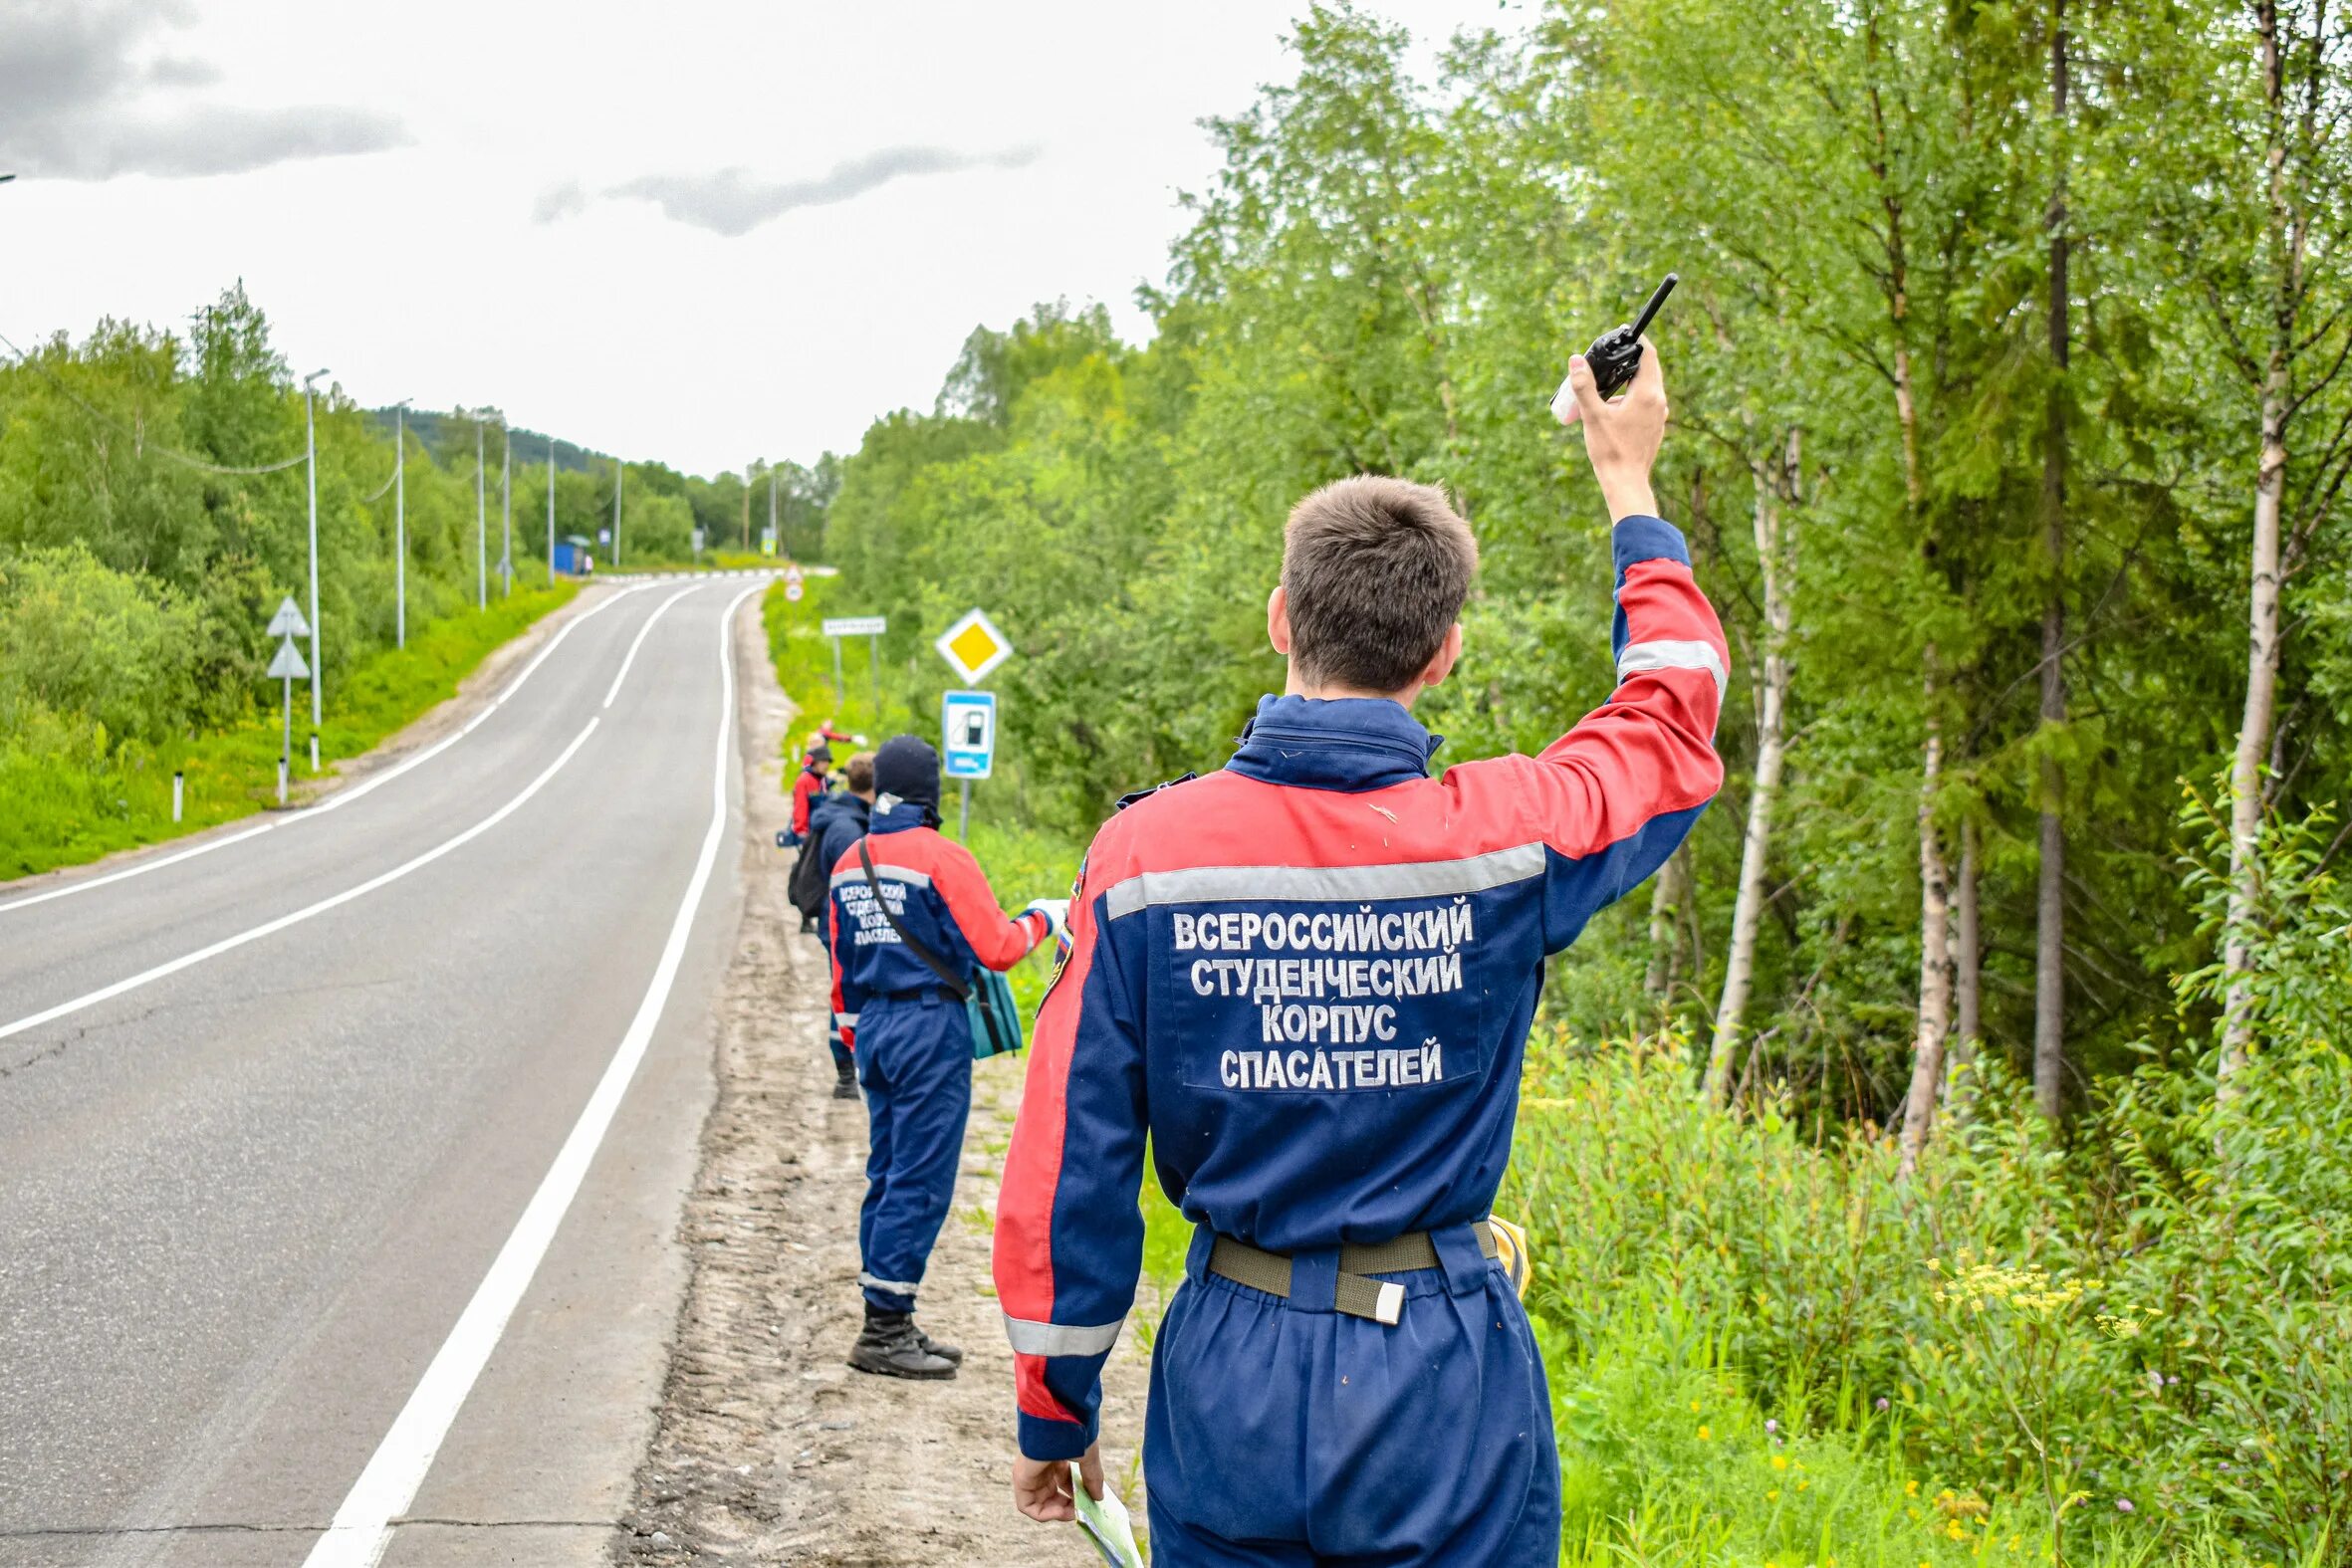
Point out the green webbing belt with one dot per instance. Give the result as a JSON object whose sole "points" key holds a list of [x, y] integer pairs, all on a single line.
{"points": [[1357, 1294]]}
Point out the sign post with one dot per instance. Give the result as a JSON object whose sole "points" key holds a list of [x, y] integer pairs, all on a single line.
{"points": [[288, 667], [869, 627], [967, 742]]}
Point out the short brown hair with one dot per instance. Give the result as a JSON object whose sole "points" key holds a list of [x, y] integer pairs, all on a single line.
{"points": [[1374, 570], [859, 771]]}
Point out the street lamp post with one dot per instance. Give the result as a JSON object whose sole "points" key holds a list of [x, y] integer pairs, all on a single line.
{"points": [[400, 522], [481, 528], [310, 421]]}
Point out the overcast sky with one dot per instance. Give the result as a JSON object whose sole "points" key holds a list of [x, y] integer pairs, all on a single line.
{"points": [[700, 232]]}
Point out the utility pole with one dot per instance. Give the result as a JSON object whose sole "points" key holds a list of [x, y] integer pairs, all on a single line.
{"points": [[550, 512], [617, 511], [481, 527], [506, 511], [310, 421], [400, 522]]}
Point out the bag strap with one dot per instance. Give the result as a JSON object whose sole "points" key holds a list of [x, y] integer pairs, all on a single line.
{"points": [[961, 987]]}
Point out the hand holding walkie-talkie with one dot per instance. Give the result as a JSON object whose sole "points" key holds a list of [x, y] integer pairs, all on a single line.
{"points": [[1614, 356]]}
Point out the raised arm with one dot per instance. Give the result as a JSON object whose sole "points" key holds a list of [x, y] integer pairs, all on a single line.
{"points": [[1070, 1238], [1615, 795]]}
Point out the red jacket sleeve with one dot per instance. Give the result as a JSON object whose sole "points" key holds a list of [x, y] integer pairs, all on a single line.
{"points": [[996, 939]]}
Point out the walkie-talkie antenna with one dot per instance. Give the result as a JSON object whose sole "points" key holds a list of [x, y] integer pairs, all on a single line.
{"points": [[1641, 323]]}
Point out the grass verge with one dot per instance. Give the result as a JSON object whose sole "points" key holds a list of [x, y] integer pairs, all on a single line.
{"points": [[67, 798]]}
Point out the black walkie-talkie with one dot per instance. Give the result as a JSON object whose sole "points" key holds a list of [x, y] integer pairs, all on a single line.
{"points": [[1615, 355]]}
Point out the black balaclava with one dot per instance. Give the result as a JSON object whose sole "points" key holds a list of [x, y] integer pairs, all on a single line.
{"points": [[907, 767]]}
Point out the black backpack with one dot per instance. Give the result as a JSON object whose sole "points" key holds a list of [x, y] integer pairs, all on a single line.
{"points": [[811, 878]]}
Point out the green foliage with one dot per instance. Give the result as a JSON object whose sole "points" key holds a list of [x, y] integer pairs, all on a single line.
{"points": [[71, 792]]}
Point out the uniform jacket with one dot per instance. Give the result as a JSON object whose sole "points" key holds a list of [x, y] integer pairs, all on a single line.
{"points": [[835, 822], [807, 791], [938, 892], [1309, 977]]}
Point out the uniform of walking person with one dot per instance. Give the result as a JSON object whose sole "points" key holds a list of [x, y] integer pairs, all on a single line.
{"points": [[1309, 978], [836, 824], [910, 1035], [810, 787]]}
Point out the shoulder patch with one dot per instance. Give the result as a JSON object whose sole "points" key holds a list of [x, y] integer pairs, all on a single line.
{"points": [[1127, 800]]}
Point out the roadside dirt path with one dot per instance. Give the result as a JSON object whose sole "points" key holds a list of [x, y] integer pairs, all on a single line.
{"points": [[768, 1448]]}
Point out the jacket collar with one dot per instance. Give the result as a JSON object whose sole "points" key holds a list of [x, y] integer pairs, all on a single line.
{"points": [[901, 817], [1336, 742]]}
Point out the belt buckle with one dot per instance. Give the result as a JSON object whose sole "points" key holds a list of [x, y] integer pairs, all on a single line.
{"points": [[1392, 1305]]}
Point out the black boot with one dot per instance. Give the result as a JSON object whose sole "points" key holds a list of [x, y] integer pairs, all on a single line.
{"points": [[845, 1084], [953, 1355], [892, 1348]]}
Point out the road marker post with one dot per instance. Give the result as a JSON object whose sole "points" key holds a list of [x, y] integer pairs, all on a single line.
{"points": [[179, 778]]}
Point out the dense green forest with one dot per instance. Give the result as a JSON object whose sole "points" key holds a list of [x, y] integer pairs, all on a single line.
{"points": [[155, 510], [2009, 421]]}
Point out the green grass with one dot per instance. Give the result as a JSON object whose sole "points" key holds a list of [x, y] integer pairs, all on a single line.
{"points": [[67, 798]]}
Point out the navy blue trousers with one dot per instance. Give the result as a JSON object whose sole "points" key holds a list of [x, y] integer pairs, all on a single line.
{"points": [[1283, 1432], [914, 1061]]}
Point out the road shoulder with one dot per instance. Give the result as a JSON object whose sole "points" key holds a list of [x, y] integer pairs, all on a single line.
{"points": [[766, 1447]]}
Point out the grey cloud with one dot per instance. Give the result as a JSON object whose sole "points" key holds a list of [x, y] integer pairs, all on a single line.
{"points": [[179, 71], [558, 202], [83, 95], [734, 201]]}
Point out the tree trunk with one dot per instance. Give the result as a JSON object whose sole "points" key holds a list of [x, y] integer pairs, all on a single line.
{"points": [[1935, 974], [1668, 893], [2261, 656], [1755, 843], [1968, 951], [2050, 947]]}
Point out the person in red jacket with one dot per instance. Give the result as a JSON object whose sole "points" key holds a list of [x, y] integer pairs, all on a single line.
{"points": [[812, 784], [1304, 983]]}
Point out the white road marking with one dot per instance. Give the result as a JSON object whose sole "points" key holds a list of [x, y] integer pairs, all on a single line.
{"points": [[640, 642], [340, 797], [363, 1527], [345, 796], [333, 901], [140, 870]]}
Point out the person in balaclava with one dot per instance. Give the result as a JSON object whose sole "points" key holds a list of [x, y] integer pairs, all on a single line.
{"points": [[909, 1034]]}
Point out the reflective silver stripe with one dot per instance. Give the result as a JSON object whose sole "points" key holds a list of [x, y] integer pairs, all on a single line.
{"points": [[1334, 884], [886, 874], [1640, 657], [1060, 1339], [897, 1287], [847, 1020]]}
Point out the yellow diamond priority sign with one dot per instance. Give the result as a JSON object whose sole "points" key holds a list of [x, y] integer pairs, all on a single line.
{"points": [[974, 647]]}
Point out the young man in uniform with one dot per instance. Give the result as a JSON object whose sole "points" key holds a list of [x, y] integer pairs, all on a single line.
{"points": [[912, 1040], [1310, 979], [836, 824]]}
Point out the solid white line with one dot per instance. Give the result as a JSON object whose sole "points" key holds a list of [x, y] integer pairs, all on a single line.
{"points": [[363, 1527], [345, 796], [340, 797], [640, 642], [271, 927], [140, 870]]}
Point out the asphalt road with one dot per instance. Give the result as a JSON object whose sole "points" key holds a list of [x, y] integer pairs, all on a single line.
{"points": [[270, 1114]]}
